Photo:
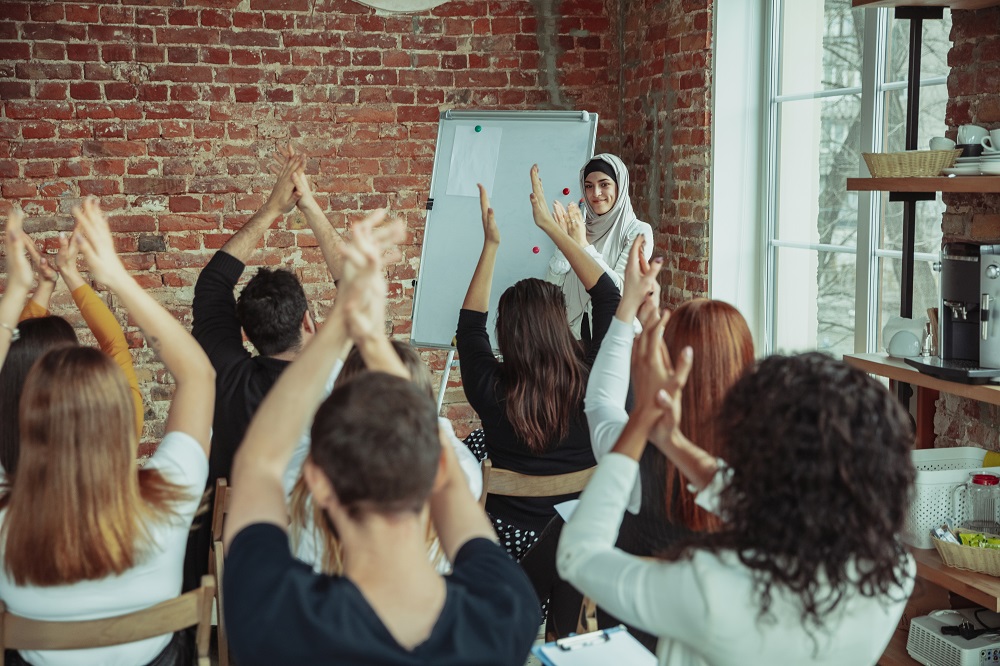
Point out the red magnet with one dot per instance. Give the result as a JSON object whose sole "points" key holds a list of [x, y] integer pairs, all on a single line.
{"points": [[565, 190], [535, 249]]}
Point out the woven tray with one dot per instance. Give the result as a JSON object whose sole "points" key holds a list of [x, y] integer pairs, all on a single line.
{"points": [[970, 558], [910, 163]]}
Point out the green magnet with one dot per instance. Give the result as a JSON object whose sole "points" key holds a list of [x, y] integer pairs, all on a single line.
{"points": [[479, 128]]}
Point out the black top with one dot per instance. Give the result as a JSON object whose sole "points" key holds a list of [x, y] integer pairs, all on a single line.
{"points": [[278, 611], [486, 392], [241, 380]]}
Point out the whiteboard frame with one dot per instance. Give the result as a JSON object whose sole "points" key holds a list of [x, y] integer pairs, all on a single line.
{"points": [[451, 114]]}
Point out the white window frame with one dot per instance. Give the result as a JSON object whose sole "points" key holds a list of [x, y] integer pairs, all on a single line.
{"points": [[744, 161]]}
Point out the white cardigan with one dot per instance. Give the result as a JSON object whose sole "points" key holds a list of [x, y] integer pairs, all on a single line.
{"points": [[704, 609]]}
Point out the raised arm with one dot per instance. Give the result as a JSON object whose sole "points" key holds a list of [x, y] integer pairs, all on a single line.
{"points": [[194, 398], [328, 238], [19, 280], [584, 265], [258, 495], [38, 306], [477, 298], [281, 200], [456, 515], [100, 320]]}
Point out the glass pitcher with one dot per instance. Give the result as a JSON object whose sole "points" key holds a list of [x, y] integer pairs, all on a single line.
{"points": [[981, 492]]}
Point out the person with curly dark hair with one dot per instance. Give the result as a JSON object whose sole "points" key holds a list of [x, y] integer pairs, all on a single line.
{"points": [[808, 566]]}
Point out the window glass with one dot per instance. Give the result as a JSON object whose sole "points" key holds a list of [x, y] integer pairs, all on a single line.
{"points": [[806, 23], [814, 301], [819, 142]]}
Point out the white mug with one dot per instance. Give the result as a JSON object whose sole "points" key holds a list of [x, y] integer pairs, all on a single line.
{"points": [[971, 133], [991, 141], [942, 143]]}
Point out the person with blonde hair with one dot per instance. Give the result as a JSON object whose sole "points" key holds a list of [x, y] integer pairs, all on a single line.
{"points": [[85, 532]]}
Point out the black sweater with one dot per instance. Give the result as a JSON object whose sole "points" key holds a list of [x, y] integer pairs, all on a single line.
{"points": [[486, 391]]}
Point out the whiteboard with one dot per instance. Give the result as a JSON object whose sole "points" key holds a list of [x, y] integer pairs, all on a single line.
{"points": [[560, 142]]}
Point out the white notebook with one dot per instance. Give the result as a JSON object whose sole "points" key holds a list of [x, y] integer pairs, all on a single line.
{"points": [[599, 648]]}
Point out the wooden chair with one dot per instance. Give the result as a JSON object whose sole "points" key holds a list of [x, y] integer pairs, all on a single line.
{"points": [[514, 484], [187, 610], [216, 565]]}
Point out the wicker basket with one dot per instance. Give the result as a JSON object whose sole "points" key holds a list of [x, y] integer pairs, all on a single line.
{"points": [[911, 163], [970, 558]]}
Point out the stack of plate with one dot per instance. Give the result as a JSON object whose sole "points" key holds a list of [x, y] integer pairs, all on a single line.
{"points": [[987, 165]]}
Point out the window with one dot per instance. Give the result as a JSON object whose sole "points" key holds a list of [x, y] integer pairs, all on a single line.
{"points": [[836, 87]]}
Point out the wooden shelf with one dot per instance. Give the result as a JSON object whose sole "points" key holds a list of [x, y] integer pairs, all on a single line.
{"points": [[935, 184], [980, 588], [951, 4], [895, 653], [884, 365]]}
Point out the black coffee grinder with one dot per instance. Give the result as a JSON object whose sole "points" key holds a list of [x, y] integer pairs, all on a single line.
{"points": [[962, 303]]}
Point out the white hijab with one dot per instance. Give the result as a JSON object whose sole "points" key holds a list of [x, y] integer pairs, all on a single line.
{"points": [[610, 234]]}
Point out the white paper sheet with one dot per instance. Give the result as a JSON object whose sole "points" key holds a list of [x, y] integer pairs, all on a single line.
{"points": [[619, 648], [473, 160], [566, 509]]}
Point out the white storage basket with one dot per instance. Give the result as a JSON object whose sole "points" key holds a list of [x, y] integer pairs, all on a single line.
{"points": [[939, 473]]}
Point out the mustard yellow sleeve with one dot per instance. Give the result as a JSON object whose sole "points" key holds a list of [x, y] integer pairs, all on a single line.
{"points": [[111, 340], [32, 310]]}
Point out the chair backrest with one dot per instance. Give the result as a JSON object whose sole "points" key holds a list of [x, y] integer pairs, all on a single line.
{"points": [[514, 484], [191, 609], [220, 508]]}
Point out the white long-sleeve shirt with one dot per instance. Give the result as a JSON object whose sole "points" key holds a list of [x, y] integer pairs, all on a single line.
{"points": [[704, 609], [607, 390]]}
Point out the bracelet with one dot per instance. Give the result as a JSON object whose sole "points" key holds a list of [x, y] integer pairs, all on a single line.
{"points": [[15, 333]]}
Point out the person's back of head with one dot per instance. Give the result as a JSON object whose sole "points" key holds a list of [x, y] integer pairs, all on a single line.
{"points": [[822, 478], [76, 508], [271, 309], [420, 374], [542, 365], [723, 346], [37, 337], [376, 440]]}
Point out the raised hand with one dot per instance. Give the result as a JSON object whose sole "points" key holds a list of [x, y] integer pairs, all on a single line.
{"points": [[640, 290], [361, 294], [657, 383], [539, 207], [283, 196], [19, 273], [491, 233], [41, 264], [304, 191], [93, 238], [571, 221]]}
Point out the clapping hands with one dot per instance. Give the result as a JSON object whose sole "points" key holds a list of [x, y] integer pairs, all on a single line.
{"points": [[657, 382], [361, 294], [92, 236], [641, 289], [19, 274]]}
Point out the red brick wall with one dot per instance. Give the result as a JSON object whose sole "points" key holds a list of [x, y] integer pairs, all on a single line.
{"points": [[168, 111], [974, 97], [666, 128]]}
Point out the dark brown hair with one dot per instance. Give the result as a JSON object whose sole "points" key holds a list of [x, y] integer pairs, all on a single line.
{"points": [[820, 486], [543, 367], [376, 439], [723, 351], [37, 337]]}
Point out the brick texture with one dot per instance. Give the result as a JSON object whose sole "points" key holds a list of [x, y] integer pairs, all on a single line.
{"points": [[169, 111], [972, 98]]}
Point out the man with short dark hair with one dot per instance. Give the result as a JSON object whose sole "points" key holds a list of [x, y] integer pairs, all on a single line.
{"points": [[379, 467], [273, 312]]}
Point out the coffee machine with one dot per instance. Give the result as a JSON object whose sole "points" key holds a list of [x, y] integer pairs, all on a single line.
{"points": [[969, 316]]}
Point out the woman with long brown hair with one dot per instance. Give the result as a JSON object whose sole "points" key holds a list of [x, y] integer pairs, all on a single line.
{"points": [[531, 402], [86, 533]]}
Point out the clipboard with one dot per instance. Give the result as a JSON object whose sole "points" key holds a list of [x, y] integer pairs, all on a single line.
{"points": [[597, 648]]}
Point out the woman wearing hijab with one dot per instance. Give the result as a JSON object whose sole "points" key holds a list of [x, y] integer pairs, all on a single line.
{"points": [[607, 235]]}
